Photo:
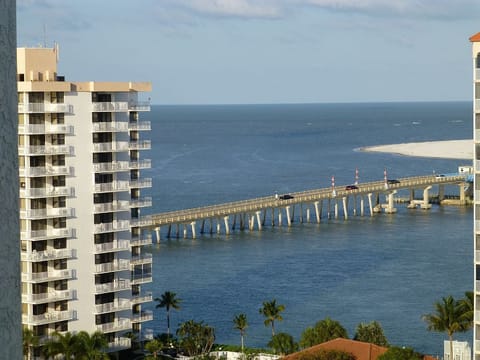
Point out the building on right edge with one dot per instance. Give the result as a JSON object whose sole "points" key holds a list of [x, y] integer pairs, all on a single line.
{"points": [[475, 39]]}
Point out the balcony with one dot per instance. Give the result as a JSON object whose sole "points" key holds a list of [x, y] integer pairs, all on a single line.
{"points": [[142, 202], [116, 245], [118, 225], [145, 239], [117, 285], [110, 106], [45, 108], [140, 145], [142, 298], [116, 265], [51, 296], [142, 183], [110, 126], [139, 105], [142, 221], [118, 205], [141, 260], [46, 234], [113, 186], [120, 343], [146, 315], [47, 170], [45, 150], [116, 305], [39, 129], [111, 146], [139, 279], [141, 164], [48, 276], [111, 166], [140, 125], [49, 317], [51, 191], [45, 213], [117, 325], [51, 254]]}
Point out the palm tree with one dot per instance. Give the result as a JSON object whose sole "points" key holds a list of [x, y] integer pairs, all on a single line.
{"points": [[168, 301], [154, 346], [29, 341], [466, 305], [271, 311], [241, 324], [446, 318], [91, 347], [59, 343]]}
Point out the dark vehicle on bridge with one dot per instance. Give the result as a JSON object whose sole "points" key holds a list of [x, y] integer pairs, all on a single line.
{"points": [[393, 181], [286, 197], [351, 187]]}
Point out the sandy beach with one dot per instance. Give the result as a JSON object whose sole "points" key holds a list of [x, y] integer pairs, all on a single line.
{"points": [[450, 149]]}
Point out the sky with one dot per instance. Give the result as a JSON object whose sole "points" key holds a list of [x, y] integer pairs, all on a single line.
{"points": [[263, 51]]}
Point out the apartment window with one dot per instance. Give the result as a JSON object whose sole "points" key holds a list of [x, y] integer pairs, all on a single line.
{"points": [[58, 160], [104, 318], [40, 309], [60, 223], [104, 278], [36, 140], [104, 298], [38, 204], [61, 306], [39, 288], [61, 326], [102, 117], [102, 157], [103, 178], [36, 97], [58, 180], [39, 267], [37, 161], [57, 97], [101, 97], [103, 218], [36, 119], [102, 198], [39, 246], [58, 139], [60, 285], [60, 264], [60, 243], [58, 118], [39, 224], [21, 77], [102, 137], [104, 238], [104, 258], [40, 330], [59, 202]]}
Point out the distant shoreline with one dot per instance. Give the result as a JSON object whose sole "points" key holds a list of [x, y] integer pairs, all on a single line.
{"points": [[449, 149]]}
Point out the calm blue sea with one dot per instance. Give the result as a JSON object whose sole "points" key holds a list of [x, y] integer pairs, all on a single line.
{"points": [[389, 268]]}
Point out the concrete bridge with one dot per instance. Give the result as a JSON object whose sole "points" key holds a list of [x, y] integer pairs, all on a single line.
{"points": [[311, 205]]}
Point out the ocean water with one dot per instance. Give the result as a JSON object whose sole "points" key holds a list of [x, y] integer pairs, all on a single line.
{"points": [[389, 268]]}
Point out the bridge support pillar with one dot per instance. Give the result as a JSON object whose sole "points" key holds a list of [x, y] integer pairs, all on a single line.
{"points": [[178, 231], [227, 227], [192, 226], [234, 221], [308, 214], [329, 207], [317, 212], [211, 226], [390, 208], [184, 231], [461, 190], [264, 217], [362, 205], [259, 221], [369, 195], [289, 220], [301, 213], [218, 226], [273, 216], [441, 193], [157, 233], [345, 207], [426, 203], [279, 217], [335, 206], [169, 232], [242, 221], [354, 205], [202, 227], [251, 222]]}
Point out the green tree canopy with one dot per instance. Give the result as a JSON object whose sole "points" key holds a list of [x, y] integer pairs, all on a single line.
{"points": [[196, 338], [371, 333], [153, 347], [29, 341], [272, 312], [324, 330], [168, 300], [466, 308], [240, 323], [91, 347], [283, 344], [398, 353]]}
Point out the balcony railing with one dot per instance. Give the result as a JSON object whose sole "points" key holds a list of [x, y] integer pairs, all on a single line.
{"points": [[45, 108], [48, 275], [142, 202], [118, 225], [111, 146], [116, 265], [110, 126], [120, 343], [46, 150], [116, 245], [142, 221], [142, 183], [142, 298], [146, 315], [145, 239], [111, 166], [141, 164], [117, 325], [32, 129], [142, 259], [51, 191], [51, 296], [144, 278], [113, 186], [139, 105], [140, 125], [109, 106], [118, 205], [46, 234], [116, 305], [140, 145], [49, 317], [47, 170], [51, 254], [46, 213], [117, 285]]}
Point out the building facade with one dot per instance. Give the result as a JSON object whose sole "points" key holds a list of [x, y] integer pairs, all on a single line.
{"points": [[475, 39], [80, 167]]}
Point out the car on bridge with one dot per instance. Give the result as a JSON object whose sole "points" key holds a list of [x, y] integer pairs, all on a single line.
{"points": [[351, 187], [286, 197], [393, 181]]}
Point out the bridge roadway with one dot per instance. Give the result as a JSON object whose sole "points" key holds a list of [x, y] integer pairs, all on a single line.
{"points": [[247, 210]]}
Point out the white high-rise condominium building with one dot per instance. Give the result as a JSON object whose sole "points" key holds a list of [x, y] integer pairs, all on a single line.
{"points": [[82, 257], [475, 39]]}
